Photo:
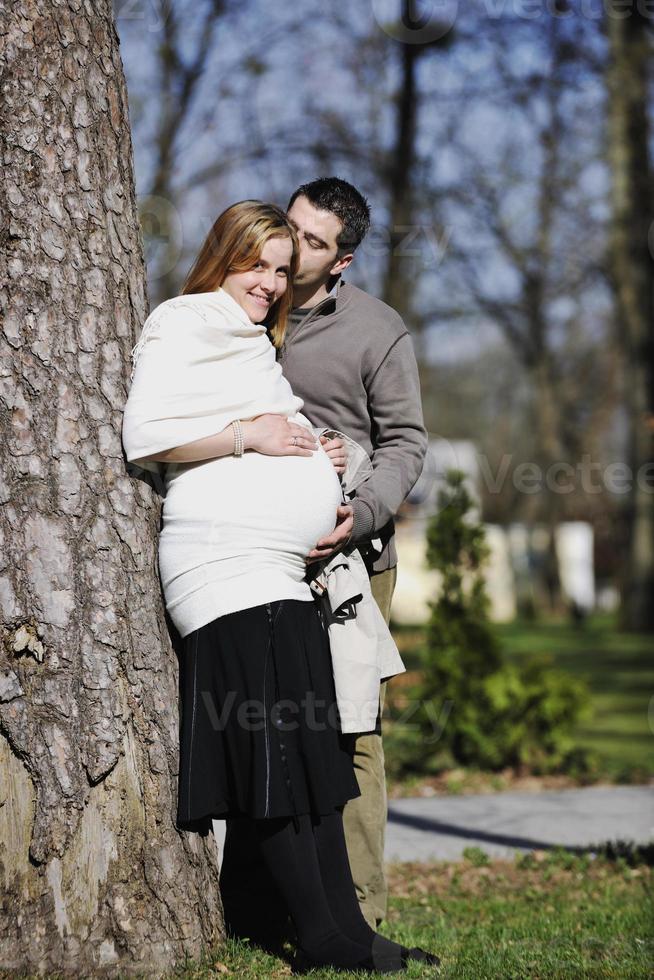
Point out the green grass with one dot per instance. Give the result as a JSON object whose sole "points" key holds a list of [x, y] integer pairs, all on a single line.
{"points": [[619, 670], [553, 916], [542, 916]]}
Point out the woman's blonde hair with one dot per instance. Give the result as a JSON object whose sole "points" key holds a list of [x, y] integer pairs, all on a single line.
{"points": [[234, 244]]}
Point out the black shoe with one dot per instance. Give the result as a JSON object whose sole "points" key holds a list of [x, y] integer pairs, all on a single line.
{"points": [[421, 955], [300, 963], [399, 959]]}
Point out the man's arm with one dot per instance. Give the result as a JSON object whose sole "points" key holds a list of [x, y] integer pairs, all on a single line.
{"points": [[399, 437]]}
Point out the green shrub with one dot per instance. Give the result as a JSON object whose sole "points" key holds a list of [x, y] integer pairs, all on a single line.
{"points": [[476, 857], [494, 714]]}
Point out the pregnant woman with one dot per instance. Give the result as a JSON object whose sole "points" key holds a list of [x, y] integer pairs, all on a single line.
{"points": [[249, 493]]}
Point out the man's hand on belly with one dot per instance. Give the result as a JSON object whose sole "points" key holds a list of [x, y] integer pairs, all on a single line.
{"points": [[335, 449], [339, 537]]}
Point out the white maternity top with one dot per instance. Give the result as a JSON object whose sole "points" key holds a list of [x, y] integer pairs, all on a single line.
{"points": [[235, 531]]}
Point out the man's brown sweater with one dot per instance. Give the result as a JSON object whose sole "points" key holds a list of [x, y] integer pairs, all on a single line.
{"points": [[351, 360]]}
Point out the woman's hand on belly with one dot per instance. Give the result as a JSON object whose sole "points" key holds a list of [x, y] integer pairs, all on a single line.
{"points": [[338, 538], [274, 435]]}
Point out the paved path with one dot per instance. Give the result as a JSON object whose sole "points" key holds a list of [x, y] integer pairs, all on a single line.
{"points": [[440, 827]]}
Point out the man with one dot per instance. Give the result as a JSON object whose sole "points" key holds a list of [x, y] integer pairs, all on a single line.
{"points": [[350, 358]]}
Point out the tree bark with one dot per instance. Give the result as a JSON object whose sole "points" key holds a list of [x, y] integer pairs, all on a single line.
{"points": [[96, 879], [632, 273]]}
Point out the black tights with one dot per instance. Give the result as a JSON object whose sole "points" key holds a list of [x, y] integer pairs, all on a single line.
{"points": [[310, 867]]}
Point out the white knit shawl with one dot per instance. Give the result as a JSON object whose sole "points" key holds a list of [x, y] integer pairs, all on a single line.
{"points": [[199, 364]]}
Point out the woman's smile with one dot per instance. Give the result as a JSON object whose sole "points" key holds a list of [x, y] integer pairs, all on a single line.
{"points": [[256, 289], [263, 301]]}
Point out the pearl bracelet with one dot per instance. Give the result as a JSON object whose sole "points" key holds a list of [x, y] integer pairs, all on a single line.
{"points": [[238, 438]]}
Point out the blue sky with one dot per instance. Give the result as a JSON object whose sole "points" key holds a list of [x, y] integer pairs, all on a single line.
{"points": [[314, 71]]}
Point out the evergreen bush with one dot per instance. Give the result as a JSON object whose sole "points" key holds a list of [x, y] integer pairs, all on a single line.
{"points": [[494, 713]]}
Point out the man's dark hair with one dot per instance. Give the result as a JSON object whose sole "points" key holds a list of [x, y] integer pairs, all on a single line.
{"points": [[343, 200]]}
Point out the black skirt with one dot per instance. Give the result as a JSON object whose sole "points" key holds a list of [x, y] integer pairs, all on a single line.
{"points": [[259, 727]]}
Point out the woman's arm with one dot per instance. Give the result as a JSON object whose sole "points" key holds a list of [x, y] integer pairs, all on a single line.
{"points": [[272, 435], [222, 444]]}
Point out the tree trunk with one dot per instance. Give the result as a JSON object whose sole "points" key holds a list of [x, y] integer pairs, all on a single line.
{"points": [[96, 880], [633, 278], [405, 263], [549, 453], [398, 281]]}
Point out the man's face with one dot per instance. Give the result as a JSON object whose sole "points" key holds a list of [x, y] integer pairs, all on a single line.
{"points": [[317, 231]]}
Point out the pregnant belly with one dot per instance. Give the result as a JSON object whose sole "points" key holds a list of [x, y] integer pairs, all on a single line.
{"points": [[279, 504]]}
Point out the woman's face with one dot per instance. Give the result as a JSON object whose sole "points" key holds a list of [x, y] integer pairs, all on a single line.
{"points": [[257, 289]]}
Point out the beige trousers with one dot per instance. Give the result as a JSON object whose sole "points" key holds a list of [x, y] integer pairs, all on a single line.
{"points": [[364, 818]]}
